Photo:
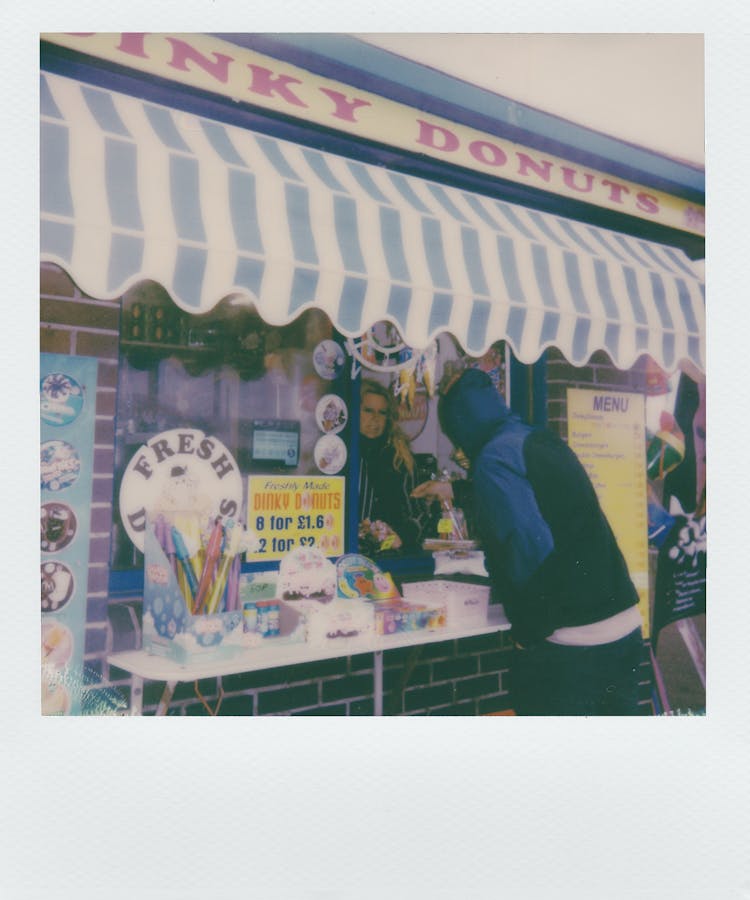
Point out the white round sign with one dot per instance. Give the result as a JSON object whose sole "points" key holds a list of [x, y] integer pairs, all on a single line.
{"points": [[181, 470]]}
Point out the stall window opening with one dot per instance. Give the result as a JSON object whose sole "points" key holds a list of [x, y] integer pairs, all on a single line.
{"points": [[258, 389], [253, 386]]}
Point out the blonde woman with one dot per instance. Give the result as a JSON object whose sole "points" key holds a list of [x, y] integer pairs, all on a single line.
{"points": [[389, 518]]}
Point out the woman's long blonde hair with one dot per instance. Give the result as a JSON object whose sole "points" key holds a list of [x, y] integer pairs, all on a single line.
{"points": [[394, 436]]}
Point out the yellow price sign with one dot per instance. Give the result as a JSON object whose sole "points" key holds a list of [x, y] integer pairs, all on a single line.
{"points": [[288, 512]]}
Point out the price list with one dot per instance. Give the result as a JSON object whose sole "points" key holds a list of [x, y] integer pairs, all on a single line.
{"points": [[607, 431], [287, 513]]}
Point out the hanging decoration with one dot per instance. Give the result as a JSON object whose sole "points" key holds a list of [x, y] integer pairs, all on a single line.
{"points": [[381, 349]]}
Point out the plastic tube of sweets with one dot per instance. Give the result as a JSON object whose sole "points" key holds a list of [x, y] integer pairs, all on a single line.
{"points": [[227, 558], [213, 551], [184, 560]]}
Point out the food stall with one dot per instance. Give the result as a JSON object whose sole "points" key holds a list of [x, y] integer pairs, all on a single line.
{"points": [[255, 237]]}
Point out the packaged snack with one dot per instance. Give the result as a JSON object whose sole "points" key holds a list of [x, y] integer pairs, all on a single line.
{"points": [[358, 577], [460, 562]]}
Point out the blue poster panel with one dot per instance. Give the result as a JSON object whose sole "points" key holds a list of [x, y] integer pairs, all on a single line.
{"points": [[67, 401]]}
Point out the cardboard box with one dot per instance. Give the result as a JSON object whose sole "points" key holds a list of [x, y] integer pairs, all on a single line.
{"points": [[465, 603], [393, 616], [339, 621]]}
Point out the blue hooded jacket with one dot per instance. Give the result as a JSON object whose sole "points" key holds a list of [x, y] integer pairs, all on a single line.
{"points": [[550, 552]]}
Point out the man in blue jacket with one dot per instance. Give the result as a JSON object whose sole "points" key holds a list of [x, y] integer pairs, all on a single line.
{"points": [[552, 558]]}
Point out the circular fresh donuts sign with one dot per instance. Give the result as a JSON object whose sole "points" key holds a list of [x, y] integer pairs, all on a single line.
{"points": [[182, 470]]}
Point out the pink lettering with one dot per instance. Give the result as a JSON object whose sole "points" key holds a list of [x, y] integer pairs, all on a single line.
{"points": [[217, 68], [429, 133], [487, 153], [264, 82], [542, 169], [695, 218], [344, 107], [647, 202], [132, 43], [616, 190], [569, 176]]}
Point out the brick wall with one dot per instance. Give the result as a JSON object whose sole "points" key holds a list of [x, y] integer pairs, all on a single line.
{"points": [[599, 373], [74, 324], [456, 677], [468, 677]]}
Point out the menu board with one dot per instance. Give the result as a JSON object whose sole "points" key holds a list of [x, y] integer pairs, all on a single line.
{"points": [[287, 513], [67, 399], [607, 431]]}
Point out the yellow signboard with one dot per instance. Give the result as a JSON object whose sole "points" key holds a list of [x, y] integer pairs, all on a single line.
{"points": [[211, 64], [607, 431], [288, 512]]}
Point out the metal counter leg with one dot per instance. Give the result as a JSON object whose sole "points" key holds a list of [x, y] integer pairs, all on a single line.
{"points": [[378, 683], [136, 696], [166, 698]]}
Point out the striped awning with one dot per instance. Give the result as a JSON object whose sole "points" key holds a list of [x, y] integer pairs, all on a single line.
{"points": [[131, 190]]}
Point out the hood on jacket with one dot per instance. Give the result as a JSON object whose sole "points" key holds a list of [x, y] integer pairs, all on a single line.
{"points": [[472, 411]]}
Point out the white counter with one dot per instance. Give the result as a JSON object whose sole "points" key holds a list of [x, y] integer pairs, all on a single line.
{"points": [[143, 665]]}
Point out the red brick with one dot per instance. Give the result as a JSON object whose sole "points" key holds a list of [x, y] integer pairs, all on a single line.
{"points": [[81, 313], [107, 377], [102, 488], [101, 519], [104, 459], [53, 281], [600, 358], [51, 340], [92, 344], [98, 580], [609, 377], [106, 402], [104, 430], [99, 549]]}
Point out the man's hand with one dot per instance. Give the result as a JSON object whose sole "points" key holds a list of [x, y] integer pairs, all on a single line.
{"points": [[434, 490]]}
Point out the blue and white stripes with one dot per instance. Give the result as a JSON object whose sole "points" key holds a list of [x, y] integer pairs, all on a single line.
{"points": [[131, 191]]}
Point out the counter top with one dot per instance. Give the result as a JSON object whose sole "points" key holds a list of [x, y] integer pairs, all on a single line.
{"points": [[157, 668]]}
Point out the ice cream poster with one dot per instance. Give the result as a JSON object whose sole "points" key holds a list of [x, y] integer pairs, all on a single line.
{"points": [[289, 513], [67, 401], [607, 431]]}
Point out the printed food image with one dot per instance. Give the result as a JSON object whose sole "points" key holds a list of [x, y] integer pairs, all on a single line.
{"points": [[328, 359], [57, 645], [57, 526], [60, 399], [330, 454], [55, 696], [60, 465], [330, 414], [57, 586]]}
